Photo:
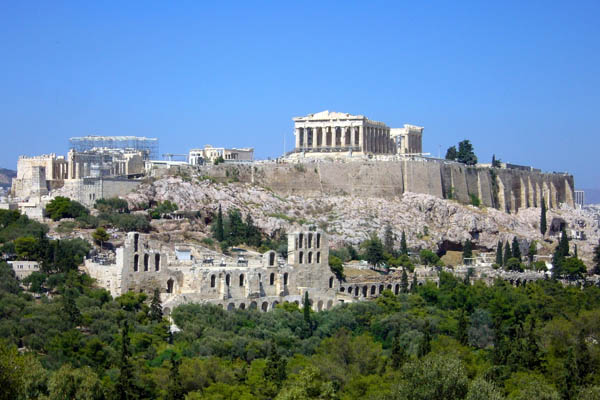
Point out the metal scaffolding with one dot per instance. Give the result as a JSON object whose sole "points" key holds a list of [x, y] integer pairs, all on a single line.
{"points": [[139, 143]]}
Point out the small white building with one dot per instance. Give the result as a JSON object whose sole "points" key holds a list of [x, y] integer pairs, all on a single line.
{"points": [[209, 154], [24, 268]]}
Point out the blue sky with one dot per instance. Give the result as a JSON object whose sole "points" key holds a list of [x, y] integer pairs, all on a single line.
{"points": [[519, 79]]}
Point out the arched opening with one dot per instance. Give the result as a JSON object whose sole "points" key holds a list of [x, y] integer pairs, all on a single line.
{"points": [[212, 281], [271, 259], [364, 291], [356, 290], [242, 280], [342, 289], [380, 289], [136, 239], [318, 257], [157, 262], [253, 305], [275, 303], [146, 257], [310, 237], [230, 307], [227, 280], [285, 279], [389, 287], [320, 305], [318, 241], [265, 306], [170, 283], [329, 304], [397, 289], [272, 278], [242, 306], [331, 282], [309, 258], [300, 240], [372, 290], [300, 257], [136, 259]]}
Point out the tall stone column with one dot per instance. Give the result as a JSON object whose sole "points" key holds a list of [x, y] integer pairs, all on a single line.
{"points": [[297, 134], [360, 138], [305, 138]]}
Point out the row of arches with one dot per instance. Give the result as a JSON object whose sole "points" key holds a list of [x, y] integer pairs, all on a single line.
{"points": [[242, 279], [309, 240], [136, 261], [309, 257], [268, 306]]}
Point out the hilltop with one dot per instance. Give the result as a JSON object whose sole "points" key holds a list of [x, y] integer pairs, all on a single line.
{"points": [[6, 176]]}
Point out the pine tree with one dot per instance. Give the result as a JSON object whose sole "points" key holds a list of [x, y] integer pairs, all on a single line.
{"points": [[596, 269], [516, 250], [404, 282], [507, 253], [156, 313], [388, 240], [70, 308], [125, 386], [403, 245], [499, 253], [451, 153], [461, 332], [543, 222], [219, 229]]}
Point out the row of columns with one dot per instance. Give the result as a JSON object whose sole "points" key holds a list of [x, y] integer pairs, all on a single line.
{"points": [[366, 139]]}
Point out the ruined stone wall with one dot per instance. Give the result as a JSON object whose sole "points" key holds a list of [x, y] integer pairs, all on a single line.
{"points": [[88, 190], [505, 189]]}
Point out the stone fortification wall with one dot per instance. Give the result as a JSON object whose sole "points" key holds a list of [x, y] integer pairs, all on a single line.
{"points": [[505, 189], [88, 190]]}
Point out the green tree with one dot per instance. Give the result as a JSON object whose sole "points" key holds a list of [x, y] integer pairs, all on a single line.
{"points": [[388, 239], [404, 281], [253, 235], [467, 251], [428, 257], [306, 311], [100, 236], [481, 389], [543, 222], [465, 154], [308, 384], [398, 355], [507, 253], [275, 370], [499, 253], [125, 386], [414, 285], [336, 266], [532, 251], [219, 232], [560, 253], [63, 207], [451, 153], [425, 343], [12, 372], [516, 250], [513, 264], [596, 269], [70, 308], [175, 388], [403, 245], [156, 313], [435, 377], [462, 328], [373, 250], [571, 268], [75, 383]]}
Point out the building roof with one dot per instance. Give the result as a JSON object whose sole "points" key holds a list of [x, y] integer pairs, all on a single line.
{"points": [[326, 115]]}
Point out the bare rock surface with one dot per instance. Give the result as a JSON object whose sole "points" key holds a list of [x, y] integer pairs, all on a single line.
{"points": [[429, 222]]}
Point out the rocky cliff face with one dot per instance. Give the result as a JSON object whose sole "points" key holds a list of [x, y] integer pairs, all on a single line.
{"points": [[6, 176], [429, 221]]}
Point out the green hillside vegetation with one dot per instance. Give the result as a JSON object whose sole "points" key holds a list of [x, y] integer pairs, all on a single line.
{"points": [[64, 338]]}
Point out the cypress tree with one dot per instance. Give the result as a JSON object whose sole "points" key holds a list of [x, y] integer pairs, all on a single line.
{"points": [[467, 250], [461, 332], [543, 222], [156, 313], [388, 239], [507, 253], [306, 311], [575, 252], [499, 253], [516, 250], [70, 307], [175, 389], [219, 229], [562, 250], [413, 287], [398, 356], [275, 369], [125, 386], [425, 345], [404, 282], [403, 246]]}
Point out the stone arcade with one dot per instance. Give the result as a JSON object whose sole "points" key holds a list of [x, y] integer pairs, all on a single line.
{"points": [[330, 132], [203, 276]]}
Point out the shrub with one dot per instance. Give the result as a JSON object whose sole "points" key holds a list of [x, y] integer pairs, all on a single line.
{"points": [[63, 207]]}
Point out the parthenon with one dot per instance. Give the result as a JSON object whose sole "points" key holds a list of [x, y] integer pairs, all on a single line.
{"points": [[327, 132]]}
